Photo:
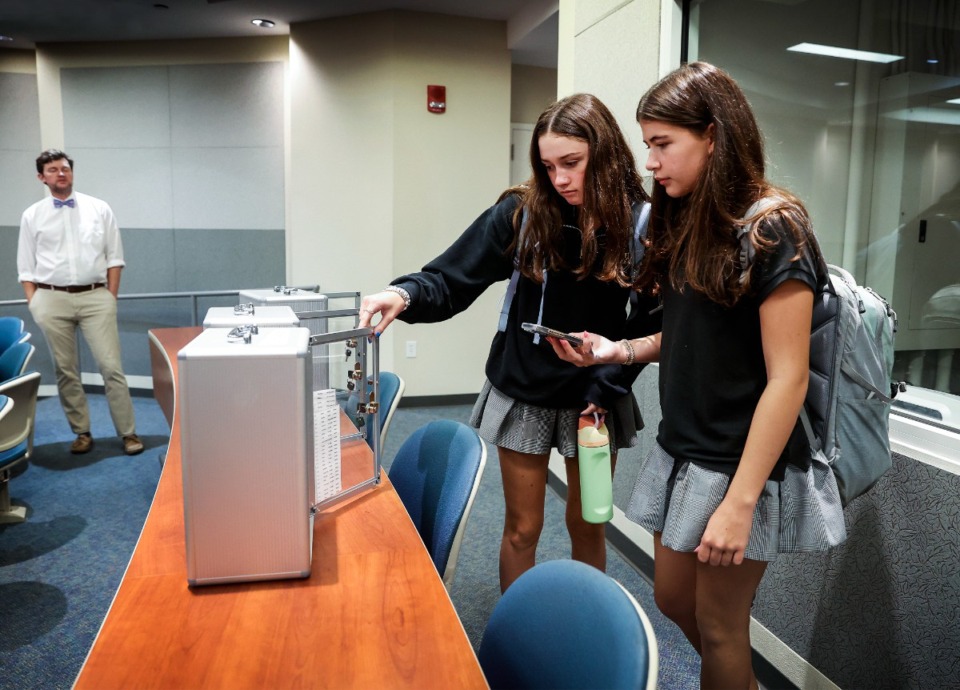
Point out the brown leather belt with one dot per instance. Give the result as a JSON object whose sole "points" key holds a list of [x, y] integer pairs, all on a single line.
{"points": [[71, 288]]}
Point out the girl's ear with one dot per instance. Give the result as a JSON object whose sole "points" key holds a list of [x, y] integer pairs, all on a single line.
{"points": [[711, 130]]}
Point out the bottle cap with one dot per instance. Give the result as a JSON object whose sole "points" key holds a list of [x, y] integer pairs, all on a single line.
{"points": [[590, 436]]}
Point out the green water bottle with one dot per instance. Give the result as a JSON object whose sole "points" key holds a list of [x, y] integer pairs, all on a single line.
{"points": [[596, 477]]}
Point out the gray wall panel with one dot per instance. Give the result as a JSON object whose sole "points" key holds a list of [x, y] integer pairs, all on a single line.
{"points": [[150, 261], [19, 112], [228, 259], [233, 106], [20, 188], [136, 182], [228, 188], [19, 145], [117, 107], [881, 610], [9, 287]]}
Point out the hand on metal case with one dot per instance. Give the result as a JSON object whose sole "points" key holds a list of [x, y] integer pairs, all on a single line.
{"points": [[387, 304]]}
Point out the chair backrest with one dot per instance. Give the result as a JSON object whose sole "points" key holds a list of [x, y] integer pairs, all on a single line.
{"points": [[391, 390], [16, 427], [11, 331], [566, 624], [437, 472], [14, 360]]}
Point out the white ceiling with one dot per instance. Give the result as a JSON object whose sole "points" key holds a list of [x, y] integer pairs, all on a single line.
{"points": [[532, 24]]}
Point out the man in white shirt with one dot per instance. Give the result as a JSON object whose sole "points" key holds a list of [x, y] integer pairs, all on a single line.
{"points": [[69, 260]]}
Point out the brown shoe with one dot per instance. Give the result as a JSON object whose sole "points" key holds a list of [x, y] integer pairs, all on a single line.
{"points": [[132, 445], [81, 444]]}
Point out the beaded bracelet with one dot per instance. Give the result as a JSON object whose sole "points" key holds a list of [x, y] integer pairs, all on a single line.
{"points": [[631, 354], [400, 291]]}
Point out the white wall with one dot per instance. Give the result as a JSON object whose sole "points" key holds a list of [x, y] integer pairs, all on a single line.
{"points": [[378, 186]]}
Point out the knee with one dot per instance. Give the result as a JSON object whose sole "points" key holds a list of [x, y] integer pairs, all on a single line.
{"points": [[111, 367], [523, 534], [718, 628], [675, 605]]}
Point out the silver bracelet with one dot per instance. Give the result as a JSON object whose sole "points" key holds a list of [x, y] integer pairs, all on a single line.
{"points": [[631, 354], [400, 291]]}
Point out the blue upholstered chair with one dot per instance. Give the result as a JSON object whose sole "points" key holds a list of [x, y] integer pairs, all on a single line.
{"points": [[437, 472], [12, 331], [14, 360], [16, 436], [565, 624]]}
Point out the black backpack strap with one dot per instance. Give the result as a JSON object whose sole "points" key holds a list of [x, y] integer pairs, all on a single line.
{"points": [[641, 221], [514, 278]]}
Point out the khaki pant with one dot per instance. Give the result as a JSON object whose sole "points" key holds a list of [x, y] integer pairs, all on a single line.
{"points": [[59, 314]]}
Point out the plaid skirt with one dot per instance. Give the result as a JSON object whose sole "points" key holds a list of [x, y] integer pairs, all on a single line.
{"points": [[802, 513], [511, 424]]}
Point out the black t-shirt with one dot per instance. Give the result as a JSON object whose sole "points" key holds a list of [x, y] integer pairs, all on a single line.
{"points": [[712, 370]]}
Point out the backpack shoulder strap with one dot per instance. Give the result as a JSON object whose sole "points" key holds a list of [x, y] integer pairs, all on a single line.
{"points": [[641, 220], [747, 250], [514, 277]]}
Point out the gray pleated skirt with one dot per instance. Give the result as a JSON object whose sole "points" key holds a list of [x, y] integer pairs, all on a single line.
{"points": [[509, 423], [802, 513]]}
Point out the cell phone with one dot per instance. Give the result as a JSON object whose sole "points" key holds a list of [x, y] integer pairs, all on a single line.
{"points": [[543, 330]]}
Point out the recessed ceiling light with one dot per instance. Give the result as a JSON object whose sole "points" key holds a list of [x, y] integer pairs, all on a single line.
{"points": [[847, 53], [841, 83], [955, 101], [933, 61], [5, 38], [263, 23]]}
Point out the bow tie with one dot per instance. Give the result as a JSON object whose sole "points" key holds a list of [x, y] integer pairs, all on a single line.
{"points": [[60, 204]]}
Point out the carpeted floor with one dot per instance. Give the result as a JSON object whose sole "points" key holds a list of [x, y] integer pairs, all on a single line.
{"points": [[60, 569]]}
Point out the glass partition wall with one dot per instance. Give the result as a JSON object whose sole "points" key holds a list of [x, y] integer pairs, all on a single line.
{"points": [[859, 102]]}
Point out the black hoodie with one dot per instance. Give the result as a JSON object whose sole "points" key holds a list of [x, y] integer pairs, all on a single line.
{"points": [[517, 366]]}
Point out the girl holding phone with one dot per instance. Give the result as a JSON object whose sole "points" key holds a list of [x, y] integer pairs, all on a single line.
{"points": [[729, 483], [573, 258]]}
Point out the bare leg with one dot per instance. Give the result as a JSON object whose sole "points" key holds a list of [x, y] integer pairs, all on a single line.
{"points": [[524, 487], [588, 540], [724, 599], [675, 588]]}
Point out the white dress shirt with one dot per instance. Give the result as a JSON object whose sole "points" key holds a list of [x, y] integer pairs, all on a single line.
{"points": [[68, 246]]}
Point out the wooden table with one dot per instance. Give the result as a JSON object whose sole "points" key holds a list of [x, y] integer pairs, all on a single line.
{"points": [[373, 613]]}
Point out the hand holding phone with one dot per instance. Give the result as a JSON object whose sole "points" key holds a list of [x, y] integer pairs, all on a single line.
{"points": [[543, 330]]}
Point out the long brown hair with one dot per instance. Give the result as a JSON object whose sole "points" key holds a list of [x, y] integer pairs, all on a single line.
{"points": [[693, 239], [611, 184]]}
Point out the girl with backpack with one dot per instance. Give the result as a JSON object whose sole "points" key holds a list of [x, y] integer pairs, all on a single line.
{"points": [[729, 483], [573, 267]]}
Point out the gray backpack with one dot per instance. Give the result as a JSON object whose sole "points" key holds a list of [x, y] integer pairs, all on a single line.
{"points": [[846, 414]]}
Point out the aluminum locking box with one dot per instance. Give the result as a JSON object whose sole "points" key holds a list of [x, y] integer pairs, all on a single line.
{"points": [[301, 302], [246, 437]]}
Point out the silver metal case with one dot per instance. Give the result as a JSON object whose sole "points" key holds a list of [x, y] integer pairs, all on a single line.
{"points": [[261, 316], [246, 436], [301, 301]]}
